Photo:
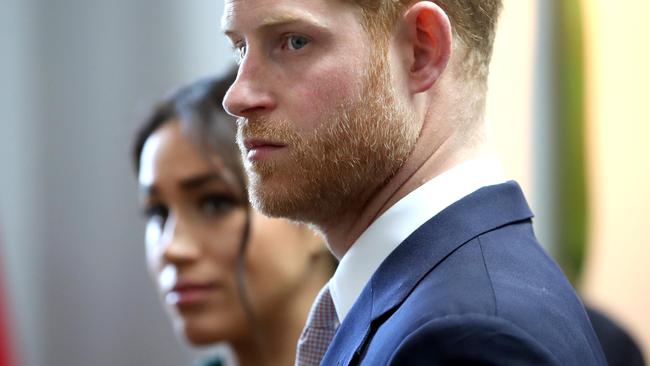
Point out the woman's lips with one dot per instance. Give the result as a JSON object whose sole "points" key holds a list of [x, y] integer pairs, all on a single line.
{"points": [[189, 294], [260, 149]]}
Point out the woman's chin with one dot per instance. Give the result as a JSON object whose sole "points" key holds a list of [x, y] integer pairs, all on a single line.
{"points": [[203, 332], [207, 325], [202, 337]]}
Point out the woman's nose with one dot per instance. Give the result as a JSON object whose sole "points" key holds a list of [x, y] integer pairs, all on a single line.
{"points": [[179, 245]]}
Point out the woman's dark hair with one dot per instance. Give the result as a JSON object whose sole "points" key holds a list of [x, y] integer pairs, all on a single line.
{"points": [[198, 108]]}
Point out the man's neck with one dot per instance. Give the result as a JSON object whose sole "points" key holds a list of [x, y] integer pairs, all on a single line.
{"points": [[425, 163]]}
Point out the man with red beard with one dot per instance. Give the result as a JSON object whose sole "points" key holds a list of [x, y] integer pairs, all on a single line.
{"points": [[364, 119]]}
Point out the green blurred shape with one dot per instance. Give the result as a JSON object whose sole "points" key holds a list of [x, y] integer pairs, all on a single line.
{"points": [[571, 200]]}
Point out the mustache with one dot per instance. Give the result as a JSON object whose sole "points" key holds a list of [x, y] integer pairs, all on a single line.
{"points": [[266, 128]]}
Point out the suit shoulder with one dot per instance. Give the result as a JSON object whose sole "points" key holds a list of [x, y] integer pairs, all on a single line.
{"points": [[470, 339]]}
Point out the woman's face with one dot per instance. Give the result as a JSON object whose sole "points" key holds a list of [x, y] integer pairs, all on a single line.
{"points": [[195, 218]]}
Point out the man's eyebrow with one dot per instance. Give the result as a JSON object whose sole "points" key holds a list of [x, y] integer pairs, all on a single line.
{"points": [[277, 20]]}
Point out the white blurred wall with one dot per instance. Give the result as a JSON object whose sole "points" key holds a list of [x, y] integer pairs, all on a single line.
{"points": [[75, 76], [20, 260], [519, 109]]}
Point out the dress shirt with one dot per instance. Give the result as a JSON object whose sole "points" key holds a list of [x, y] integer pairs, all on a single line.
{"points": [[401, 220]]}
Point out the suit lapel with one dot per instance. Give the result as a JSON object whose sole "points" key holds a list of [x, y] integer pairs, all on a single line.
{"points": [[482, 211], [351, 334]]}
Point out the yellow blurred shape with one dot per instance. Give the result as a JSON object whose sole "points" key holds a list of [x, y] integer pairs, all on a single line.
{"points": [[617, 272]]}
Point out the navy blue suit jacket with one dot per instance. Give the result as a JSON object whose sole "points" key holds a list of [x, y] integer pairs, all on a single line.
{"points": [[471, 286]]}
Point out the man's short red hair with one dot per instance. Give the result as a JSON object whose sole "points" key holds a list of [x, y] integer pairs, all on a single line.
{"points": [[473, 21]]}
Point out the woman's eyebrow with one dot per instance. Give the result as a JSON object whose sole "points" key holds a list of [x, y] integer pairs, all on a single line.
{"points": [[200, 180]]}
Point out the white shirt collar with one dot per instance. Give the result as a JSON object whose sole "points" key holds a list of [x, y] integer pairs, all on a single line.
{"points": [[386, 233]]}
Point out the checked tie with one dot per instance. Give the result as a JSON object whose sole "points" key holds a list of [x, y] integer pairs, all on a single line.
{"points": [[319, 330]]}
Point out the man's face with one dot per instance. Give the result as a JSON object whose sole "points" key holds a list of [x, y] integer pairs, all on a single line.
{"points": [[320, 126]]}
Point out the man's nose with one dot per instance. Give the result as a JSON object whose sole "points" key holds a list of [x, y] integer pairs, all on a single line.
{"points": [[250, 93]]}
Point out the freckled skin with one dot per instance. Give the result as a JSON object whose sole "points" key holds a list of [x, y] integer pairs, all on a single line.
{"points": [[300, 88]]}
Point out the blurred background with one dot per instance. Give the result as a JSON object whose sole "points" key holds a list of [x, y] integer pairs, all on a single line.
{"points": [[567, 110]]}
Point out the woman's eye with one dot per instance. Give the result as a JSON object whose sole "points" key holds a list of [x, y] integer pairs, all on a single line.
{"points": [[240, 49], [215, 205], [296, 43], [156, 212]]}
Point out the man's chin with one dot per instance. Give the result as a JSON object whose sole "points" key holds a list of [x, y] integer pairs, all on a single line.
{"points": [[277, 199], [267, 193], [272, 206]]}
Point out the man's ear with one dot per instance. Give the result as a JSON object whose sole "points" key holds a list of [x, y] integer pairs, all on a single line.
{"points": [[427, 38]]}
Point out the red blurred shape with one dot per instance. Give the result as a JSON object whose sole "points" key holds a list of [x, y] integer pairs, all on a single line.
{"points": [[6, 355]]}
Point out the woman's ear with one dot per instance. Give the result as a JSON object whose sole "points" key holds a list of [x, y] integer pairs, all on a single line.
{"points": [[428, 41]]}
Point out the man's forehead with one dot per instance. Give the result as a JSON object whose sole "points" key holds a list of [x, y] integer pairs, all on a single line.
{"points": [[259, 13]]}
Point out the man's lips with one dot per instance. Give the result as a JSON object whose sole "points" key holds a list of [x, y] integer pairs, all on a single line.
{"points": [[190, 293], [260, 149]]}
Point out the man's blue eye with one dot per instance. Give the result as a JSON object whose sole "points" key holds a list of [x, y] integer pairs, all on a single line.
{"points": [[297, 42]]}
